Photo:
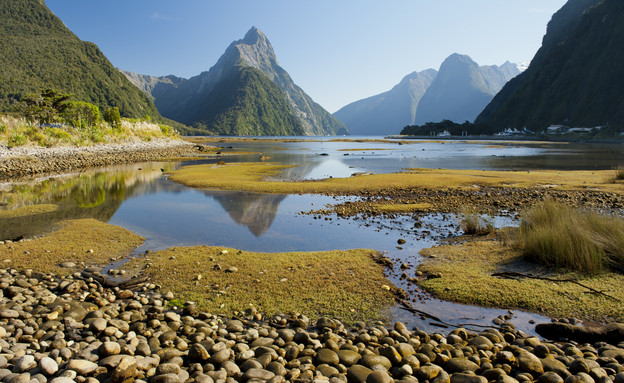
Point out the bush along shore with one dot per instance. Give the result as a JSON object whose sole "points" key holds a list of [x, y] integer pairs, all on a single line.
{"points": [[78, 328]]}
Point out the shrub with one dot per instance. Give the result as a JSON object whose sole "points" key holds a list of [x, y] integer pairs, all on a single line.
{"points": [[35, 135], [16, 139], [474, 223], [562, 236], [112, 116], [619, 173]]}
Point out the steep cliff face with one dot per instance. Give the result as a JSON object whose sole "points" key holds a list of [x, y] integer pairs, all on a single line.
{"points": [[576, 77], [388, 112], [38, 51], [249, 65], [461, 90]]}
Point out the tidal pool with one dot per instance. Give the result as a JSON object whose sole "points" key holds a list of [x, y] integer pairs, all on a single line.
{"points": [[138, 197]]}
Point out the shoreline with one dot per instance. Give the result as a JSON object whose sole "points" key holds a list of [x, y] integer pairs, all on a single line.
{"points": [[77, 328], [33, 161]]}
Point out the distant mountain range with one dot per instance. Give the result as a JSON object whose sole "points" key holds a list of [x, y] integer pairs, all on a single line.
{"points": [[38, 52], [246, 92], [458, 92], [575, 79]]}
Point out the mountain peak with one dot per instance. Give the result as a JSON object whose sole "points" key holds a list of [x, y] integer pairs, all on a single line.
{"points": [[253, 36]]}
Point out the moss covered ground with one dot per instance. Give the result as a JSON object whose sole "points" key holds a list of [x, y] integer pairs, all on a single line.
{"points": [[465, 272], [345, 284], [82, 241]]}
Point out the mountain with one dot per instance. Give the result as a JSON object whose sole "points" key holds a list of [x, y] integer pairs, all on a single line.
{"points": [[388, 112], [576, 77], [38, 51], [246, 92], [462, 89]]}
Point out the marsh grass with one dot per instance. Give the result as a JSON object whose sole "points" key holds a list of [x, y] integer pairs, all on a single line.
{"points": [[348, 284], [473, 223], [619, 174], [561, 236]]}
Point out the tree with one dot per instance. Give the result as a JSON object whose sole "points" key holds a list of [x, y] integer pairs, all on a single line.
{"points": [[45, 107], [112, 116], [82, 114]]}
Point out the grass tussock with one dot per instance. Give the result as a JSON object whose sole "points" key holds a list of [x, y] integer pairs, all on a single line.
{"points": [[474, 223], [619, 174], [467, 270], [347, 284], [561, 236], [15, 132]]}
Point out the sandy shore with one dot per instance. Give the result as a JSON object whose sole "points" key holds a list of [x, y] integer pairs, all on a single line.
{"points": [[30, 161]]}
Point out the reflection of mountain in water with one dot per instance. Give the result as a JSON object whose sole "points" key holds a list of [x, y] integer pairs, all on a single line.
{"points": [[256, 211], [97, 194]]}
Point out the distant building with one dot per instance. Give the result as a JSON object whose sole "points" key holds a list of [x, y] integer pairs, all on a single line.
{"points": [[445, 133], [557, 129]]}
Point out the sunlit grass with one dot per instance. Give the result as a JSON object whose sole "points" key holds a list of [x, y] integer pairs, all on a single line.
{"points": [[87, 241], [466, 277], [562, 236], [346, 284], [256, 177], [15, 132]]}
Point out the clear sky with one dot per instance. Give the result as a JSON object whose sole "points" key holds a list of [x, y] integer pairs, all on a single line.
{"points": [[337, 51]]}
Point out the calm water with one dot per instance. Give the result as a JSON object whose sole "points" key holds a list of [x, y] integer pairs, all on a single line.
{"points": [[140, 199]]}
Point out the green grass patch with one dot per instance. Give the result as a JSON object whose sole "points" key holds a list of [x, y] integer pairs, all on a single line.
{"points": [[562, 236], [346, 284], [466, 277], [24, 211], [82, 241]]}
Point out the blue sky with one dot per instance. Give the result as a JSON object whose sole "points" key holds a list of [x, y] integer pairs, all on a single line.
{"points": [[337, 51]]}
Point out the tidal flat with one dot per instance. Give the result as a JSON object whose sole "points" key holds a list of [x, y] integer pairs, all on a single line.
{"points": [[400, 201]]}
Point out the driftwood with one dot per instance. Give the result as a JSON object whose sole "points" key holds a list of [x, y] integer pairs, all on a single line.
{"points": [[440, 323], [514, 275], [612, 333], [108, 282]]}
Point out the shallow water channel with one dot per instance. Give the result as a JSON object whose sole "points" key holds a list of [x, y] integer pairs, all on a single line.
{"points": [[138, 197]]}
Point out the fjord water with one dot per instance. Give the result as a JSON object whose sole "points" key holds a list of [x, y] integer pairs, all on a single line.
{"points": [[139, 198]]}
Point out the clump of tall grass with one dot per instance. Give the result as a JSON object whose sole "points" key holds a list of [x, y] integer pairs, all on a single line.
{"points": [[562, 236], [474, 223], [619, 174]]}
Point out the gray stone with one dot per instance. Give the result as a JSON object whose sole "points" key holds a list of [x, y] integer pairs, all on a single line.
{"points": [[24, 363], [48, 366], [550, 377], [348, 357], [258, 373], [530, 363], [459, 377], [327, 356], [460, 365], [126, 369], [428, 372], [98, 324], [166, 378], [372, 360], [379, 377], [109, 348], [9, 314], [358, 373], [82, 367]]}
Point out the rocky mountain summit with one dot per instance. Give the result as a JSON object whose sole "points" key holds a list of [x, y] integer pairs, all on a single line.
{"points": [[458, 92], [246, 92]]}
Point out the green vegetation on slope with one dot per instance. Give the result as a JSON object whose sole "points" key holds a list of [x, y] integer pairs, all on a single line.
{"points": [[247, 103], [575, 78], [39, 52]]}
